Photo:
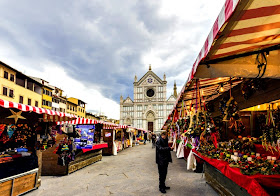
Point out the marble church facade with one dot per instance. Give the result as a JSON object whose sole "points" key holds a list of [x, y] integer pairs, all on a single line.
{"points": [[150, 106]]}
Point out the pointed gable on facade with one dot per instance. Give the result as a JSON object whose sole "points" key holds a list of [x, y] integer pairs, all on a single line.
{"points": [[128, 100], [149, 78]]}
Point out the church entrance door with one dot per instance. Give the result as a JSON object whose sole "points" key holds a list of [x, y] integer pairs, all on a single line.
{"points": [[151, 126]]}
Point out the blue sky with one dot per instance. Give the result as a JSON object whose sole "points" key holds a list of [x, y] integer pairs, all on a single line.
{"points": [[93, 49]]}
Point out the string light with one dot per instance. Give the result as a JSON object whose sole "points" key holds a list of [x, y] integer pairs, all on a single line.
{"points": [[222, 88]]}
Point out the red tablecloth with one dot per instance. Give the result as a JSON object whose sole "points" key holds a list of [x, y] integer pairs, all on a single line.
{"points": [[260, 149], [95, 147], [251, 183], [186, 152]]}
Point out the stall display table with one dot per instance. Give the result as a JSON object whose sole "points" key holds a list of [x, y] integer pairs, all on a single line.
{"points": [[19, 184], [255, 184], [83, 158], [96, 147], [260, 149]]}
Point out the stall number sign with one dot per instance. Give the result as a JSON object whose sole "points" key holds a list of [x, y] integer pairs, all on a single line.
{"points": [[108, 134]]}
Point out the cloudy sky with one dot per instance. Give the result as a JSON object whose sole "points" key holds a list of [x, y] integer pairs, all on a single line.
{"points": [[93, 49]]}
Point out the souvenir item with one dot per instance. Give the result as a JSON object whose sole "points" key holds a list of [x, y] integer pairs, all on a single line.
{"points": [[16, 115]]}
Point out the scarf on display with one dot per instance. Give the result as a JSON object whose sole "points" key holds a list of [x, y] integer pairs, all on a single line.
{"points": [[10, 130]]}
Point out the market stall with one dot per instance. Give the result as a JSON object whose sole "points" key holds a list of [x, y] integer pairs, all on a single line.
{"points": [[230, 101], [79, 144], [116, 137], [131, 132], [22, 137]]}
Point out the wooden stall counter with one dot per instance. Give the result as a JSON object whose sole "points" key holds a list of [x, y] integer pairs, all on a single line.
{"points": [[19, 184], [83, 158]]}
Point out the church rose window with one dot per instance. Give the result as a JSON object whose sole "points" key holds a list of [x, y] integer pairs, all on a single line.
{"points": [[150, 92], [150, 80]]}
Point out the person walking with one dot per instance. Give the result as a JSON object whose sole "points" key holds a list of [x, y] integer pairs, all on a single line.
{"points": [[163, 158], [145, 137], [150, 136], [154, 138]]}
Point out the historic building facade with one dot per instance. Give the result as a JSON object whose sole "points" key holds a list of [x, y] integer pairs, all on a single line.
{"points": [[150, 106]]}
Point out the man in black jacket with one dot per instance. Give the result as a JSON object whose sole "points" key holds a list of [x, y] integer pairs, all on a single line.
{"points": [[163, 157]]}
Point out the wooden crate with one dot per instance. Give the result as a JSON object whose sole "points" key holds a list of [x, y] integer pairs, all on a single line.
{"points": [[6, 188], [24, 184], [19, 184]]}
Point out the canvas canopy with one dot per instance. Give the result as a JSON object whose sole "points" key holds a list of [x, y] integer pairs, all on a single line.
{"points": [[243, 42]]}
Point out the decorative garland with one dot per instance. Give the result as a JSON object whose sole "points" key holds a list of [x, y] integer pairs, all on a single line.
{"points": [[229, 110]]}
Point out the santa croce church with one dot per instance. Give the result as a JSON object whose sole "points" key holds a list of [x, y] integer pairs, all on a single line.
{"points": [[149, 107]]}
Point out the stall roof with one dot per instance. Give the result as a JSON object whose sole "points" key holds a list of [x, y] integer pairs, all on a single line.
{"points": [[85, 121], [208, 88], [48, 115], [244, 28]]}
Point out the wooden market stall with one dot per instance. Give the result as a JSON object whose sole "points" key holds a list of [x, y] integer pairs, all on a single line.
{"points": [[118, 138], [22, 136], [236, 73], [84, 145]]}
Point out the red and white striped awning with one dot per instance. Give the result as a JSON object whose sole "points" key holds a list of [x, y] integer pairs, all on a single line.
{"points": [[122, 126], [82, 121], [85, 121], [48, 115], [243, 29]]}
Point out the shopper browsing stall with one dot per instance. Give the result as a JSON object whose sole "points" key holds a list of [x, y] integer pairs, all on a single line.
{"points": [[163, 158]]}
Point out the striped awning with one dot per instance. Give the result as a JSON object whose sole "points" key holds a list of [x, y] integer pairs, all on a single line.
{"points": [[122, 126], [244, 27], [243, 30], [82, 121], [85, 121], [48, 115]]}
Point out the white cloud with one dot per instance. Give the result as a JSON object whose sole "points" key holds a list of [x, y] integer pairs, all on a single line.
{"points": [[58, 77], [92, 49]]}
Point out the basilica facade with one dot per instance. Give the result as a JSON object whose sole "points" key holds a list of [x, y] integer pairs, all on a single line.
{"points": [[150, 106]]}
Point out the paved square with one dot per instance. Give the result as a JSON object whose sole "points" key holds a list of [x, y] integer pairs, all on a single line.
{"points": [[132, 172]]}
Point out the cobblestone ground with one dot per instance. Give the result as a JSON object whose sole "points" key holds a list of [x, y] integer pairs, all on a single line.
{"points": [[132, 172]]}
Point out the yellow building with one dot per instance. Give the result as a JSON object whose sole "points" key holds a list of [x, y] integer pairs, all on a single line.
{"points": [[46, 93], [91, 116], [71, 108], [18, 87], [47, 97], [81, 106]]}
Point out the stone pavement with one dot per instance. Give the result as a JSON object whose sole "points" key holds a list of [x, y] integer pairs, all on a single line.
{"points": [[132, 172]]}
